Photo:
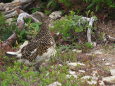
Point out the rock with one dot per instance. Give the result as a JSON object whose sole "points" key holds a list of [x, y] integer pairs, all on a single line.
{"points": [[92, 82], [101, 83], [86, 77], [94, 44], [38, 15], [103, 59], [60, 65], [56, 14], [82, 71], [107, 64], [73, 73], [110, 79], [1, 6], [97, 52], [57, 33], [74, 50], [55, 84], [53, 16], [77, 51], [75, 64], [112, 72], [68, 76]]}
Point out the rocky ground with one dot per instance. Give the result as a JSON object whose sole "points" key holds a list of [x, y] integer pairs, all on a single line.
{"points": [[72, 67], [96, 68]]}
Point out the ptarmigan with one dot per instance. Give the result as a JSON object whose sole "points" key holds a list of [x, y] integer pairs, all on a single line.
{"points": [[40, 48]]}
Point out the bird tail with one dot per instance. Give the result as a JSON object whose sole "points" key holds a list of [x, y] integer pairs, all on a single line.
{"points": [[14, 54], [11, 53], [17, 54]]}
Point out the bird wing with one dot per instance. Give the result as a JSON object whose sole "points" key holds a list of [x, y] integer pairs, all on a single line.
{"points": [[36, 47]]}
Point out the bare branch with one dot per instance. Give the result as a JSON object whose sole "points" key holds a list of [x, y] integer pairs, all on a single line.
{"points": [[91, 21], [20, 19], [110, 38]]}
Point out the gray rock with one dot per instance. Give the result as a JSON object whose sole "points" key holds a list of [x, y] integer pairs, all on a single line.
{"points": [[55, 84], [56, 14], [110, 79], [112, 72]]}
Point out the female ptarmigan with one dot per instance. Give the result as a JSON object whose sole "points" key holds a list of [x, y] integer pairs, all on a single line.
{"points": [[41, 48]]}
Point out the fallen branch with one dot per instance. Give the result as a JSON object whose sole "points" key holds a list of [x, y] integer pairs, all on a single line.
{"points": [[20, 19], [91, 21], [9, 9], [20, 23], [10, 15], [111, 39], [6, 45]]}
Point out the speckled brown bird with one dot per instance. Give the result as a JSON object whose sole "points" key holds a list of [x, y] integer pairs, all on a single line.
{"points": [[40, 48]]}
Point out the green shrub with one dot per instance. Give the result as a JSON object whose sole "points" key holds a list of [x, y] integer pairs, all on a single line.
{"points": [[51, 4], [66, 2], [31, 28], [88, 45], [18, 75], [5, 29], [98, 4], [94, 5], [70, 22]]}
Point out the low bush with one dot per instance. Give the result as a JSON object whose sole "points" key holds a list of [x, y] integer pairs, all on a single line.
{"points": [[18, 75], [71, 26], [5, 29], [99, 4]]}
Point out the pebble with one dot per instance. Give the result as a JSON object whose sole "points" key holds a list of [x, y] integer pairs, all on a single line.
{"points": [[109, 79], [55, 84], [112, 72]]}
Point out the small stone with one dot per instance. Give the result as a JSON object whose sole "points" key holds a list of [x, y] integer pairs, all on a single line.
{"points": [[74, 50], [6, 9], [75, 64], [82, 71], [73, 73], [92, 82], [97, 52], [94, 44], [68, 76], [94, 73], [77, 51], [107, 64], [56, 14], [57, 33], [103, 59], [112, 65], [72, 64], [101, 83], [110, 79], [60, 65], [112, 72], [86, 77], [55, 84]]}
